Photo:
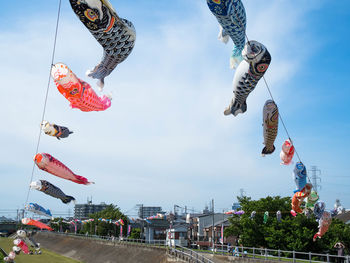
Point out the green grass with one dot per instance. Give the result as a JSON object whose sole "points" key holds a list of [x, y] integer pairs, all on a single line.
{"points": [[46, 256]]}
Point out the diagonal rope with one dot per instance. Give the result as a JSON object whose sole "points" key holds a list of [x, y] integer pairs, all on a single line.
{"points": [[269, 90], [47, 93], [280, 117]]}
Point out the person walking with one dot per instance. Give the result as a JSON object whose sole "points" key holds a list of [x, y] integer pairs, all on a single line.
{"points": [[341, 249]]}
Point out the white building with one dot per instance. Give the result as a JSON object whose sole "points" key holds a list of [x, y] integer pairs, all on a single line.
{"points": [[177, 236]]}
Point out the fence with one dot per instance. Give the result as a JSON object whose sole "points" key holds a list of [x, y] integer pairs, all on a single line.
{"points": [[154, 243], [4, 254], [178, 251], [249, 252], [190, 255], [277, 255]]}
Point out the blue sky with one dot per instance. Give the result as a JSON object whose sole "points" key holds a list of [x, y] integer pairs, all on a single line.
{"points": [[165, 140]]}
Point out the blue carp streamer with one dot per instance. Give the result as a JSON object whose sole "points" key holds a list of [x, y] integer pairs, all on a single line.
{"points": [[232, 19]]}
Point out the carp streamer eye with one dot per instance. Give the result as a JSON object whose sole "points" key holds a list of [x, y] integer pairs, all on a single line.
{"points": [[262, 67], [91, 15]]}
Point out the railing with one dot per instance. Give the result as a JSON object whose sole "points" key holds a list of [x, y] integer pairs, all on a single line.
{"points": [[248, 252], [108, 239], [4, 254], [190, 255], [277, 255], [178, 251]]}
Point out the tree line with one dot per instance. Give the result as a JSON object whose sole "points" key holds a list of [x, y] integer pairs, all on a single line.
{"points": [[291, 233]]}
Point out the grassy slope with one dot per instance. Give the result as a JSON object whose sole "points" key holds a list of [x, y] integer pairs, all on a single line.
{"points": [[45, 257]]}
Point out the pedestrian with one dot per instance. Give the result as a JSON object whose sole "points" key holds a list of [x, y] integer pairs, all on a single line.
{"points": [[228, 247], [341, 249]]}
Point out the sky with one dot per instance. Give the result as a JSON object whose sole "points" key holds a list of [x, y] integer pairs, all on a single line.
{"points": [[165, 139]]}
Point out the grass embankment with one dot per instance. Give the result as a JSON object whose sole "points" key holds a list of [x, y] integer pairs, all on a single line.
{"points": [[46, 256]]}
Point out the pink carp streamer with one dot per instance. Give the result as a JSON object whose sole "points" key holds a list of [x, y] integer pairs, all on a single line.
{"points": [[50, 164], [287, 152], [22, 245], [77, 92], [323, 226]]}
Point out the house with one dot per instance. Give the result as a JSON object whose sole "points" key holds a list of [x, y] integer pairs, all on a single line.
{"points": [[177, 235], [155, 229], [345, 217], [200, 229]]}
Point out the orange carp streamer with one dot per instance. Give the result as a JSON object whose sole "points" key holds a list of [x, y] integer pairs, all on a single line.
{"points": [[298, 199], [38, 224], [77, 92]]}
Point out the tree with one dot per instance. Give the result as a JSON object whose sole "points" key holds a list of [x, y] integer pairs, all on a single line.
{"points": [[104, 228], [292, 233], [135, 233], [58, 224]]}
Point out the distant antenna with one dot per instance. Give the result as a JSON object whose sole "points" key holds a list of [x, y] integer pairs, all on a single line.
{"points": [[315, 179]]}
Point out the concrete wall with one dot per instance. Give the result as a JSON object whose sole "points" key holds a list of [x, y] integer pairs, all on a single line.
{"points": [[94, 251]]}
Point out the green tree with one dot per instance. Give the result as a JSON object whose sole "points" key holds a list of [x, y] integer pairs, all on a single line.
{"points": [[135, 233], [292, 233], [58, 224], [104, 228]]}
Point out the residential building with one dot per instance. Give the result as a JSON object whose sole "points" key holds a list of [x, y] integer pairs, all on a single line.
{"points": [[177, 235], [208, 234], [345, 217], [147, 211], [155, 229], [209, 220], [201, 227], [236, 206], [82, 211]]}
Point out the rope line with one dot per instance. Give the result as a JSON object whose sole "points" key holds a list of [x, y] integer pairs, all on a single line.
{"points": [[280, 117], [269, 91], [47, 93]]}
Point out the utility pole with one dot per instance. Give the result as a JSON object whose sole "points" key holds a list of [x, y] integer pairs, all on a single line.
{"points": [[212, 230], [316, 180], [222, 231], [142, 221]]}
